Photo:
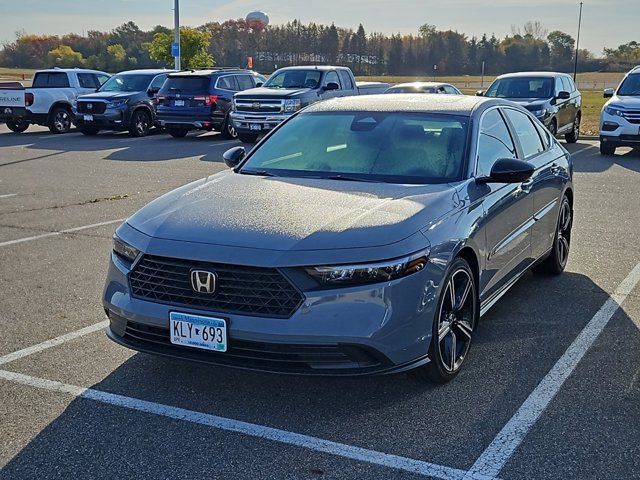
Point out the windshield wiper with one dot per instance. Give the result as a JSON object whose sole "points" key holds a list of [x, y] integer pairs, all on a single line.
{"points": [[261, 173], [348, 178]]}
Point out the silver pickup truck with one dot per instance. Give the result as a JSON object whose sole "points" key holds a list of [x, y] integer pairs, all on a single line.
{"points": [[259, 110], [49, 100]]}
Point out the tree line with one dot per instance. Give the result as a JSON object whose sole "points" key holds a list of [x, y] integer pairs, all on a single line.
{"points": [[428, 52]]}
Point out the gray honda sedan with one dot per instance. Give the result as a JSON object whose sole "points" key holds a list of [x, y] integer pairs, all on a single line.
{"points": [[364, 235]]}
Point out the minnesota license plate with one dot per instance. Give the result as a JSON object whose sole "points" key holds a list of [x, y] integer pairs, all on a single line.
{"points": [[255, 126], [208, 333], [88, 118], [179, 103]]}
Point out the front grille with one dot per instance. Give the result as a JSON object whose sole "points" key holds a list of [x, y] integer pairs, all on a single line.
{"points": [[323, 358], [632, 116], [96, 107], [239, 289], [258, 106]]}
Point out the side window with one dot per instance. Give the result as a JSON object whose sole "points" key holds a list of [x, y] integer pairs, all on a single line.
{"points": [[559, 87], [51, 80], [495, 142], [157, 82], [572, 86], [345, 78], [227, 83], [332, 77], [244, 82], [566, 84], [451, 90], [544, 135], [258, 79], [440, 90], [87, 80], [526, 132]]}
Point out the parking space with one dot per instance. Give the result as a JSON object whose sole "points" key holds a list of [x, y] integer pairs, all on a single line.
{"points": [[551, 388]]}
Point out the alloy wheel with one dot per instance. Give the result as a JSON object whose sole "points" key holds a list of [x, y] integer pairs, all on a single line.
{"points": [[142, 123], [62, 121], [563, 237], [455, 320]]}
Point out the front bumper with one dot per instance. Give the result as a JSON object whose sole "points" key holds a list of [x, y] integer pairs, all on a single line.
{"points": [[360, 330], [257, 123], [617, 130], [110, 119]]}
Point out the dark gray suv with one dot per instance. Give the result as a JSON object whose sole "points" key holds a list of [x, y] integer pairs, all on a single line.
{"points": [[551, 97]]}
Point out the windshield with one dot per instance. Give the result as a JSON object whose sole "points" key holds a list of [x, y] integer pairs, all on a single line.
{"points": [[630, 86], [521, 87], [295, 79], [365, 146], [191, 83], [412, 89], [127, 83]]}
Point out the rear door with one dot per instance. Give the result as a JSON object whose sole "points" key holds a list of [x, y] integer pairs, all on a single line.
{"points": [[572, 104], [563, 105]]}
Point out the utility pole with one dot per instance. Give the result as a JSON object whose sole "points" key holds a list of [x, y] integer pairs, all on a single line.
{"points": [[575, 65], [482, 81], [175, 48]]}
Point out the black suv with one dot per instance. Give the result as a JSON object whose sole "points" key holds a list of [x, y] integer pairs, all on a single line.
{"points": [[201, 100], [552, 97], [124, 102]]}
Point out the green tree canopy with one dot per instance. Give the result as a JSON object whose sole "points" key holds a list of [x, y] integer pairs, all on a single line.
{"points": [[65, 56], [193, 45]]}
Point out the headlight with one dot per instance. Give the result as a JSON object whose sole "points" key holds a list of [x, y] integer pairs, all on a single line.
{"points": [[370, 273], [124, 250], [613, 111], [540, 113], [117, 103], [292, 105], [233, 105]]}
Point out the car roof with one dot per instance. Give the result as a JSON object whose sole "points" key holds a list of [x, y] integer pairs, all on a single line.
{"points": [[322, 68], [533, 74], [147, 71], [421, 84], [67, 70], [408, 102], [211, 72]]}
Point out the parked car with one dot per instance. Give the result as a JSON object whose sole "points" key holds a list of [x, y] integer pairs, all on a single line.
{"points": [[620, 117], [289, 89], [552, 97], [424, 87], [201, 100], [363, 235], [49, 100], [125, 102]]}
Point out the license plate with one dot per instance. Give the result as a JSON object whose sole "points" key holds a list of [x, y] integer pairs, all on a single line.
{"points": [[88, 118], [255, 126], [197, 331], [179, 103]]}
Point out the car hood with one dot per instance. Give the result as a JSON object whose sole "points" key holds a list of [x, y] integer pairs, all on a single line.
{"points": [[262, 92], [529, 102], [108, 96], [290, 214], [624, 101]]}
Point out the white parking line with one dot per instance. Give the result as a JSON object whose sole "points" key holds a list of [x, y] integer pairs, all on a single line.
{"points": [[25, 352], [494, 458], [580, 150], [60, 232], [7, 195], [245, 428]]}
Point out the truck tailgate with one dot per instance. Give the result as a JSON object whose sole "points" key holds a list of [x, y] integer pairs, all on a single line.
{"points": [[11, 97]]}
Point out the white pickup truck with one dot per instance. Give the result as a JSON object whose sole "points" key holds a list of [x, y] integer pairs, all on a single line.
{"points": [[49, 100]]}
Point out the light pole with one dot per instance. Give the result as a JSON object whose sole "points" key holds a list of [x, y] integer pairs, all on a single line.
{"points": [[175, 49], [575, 65]]}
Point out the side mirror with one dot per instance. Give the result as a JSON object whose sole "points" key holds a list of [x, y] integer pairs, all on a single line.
{"points": [[564, 95], [480, 93], [259, 84], [153, 91], [608, 92], [234, 156], [331, 86], [508, 170]]}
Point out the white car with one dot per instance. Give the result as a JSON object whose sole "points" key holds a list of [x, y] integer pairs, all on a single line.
{"points": [[620, 117], [50, 99]]}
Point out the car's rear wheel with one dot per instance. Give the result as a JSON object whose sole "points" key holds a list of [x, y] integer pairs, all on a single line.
{"points": [[140, 123], [453, 325], [556, 262], [60, 120], [248, 137], [89, 131], [607, 148], [574, 134], [177, 132], [18, 126], [228, 130]]}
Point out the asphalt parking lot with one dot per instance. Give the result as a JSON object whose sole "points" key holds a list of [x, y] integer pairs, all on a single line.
{"points": [[551, 388]]}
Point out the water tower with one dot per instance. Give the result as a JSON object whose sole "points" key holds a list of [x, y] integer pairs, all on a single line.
{"points": [[257, 20]]}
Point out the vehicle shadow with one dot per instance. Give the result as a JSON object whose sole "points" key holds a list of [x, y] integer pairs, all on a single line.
{"points": [[514, 347], [158, 146], [590, 160]]}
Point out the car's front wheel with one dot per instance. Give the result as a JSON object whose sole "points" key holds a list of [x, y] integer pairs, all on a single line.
{"points": [[228, 130], [553, 127], [607, 148], [556, 262], [17, 127], [456, 316], [140, 123], [574, 134]]}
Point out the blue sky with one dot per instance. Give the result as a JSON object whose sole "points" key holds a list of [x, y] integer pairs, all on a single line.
{"points": [[605, 22]]}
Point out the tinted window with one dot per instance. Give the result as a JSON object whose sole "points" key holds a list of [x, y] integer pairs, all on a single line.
{"points": [[559, 87], [566, 84], [495, 142], [544, 134], [88, 80], [332, 77], [158, 82], [345, 78], [388, 147], [525, 132], [572, 85], [102, 78], [630, 85], [244, 82], [259, 79], [411, 89], [51, 80], [186, 84], [127, 83], [228, 82], [521, 87], [451, 90], [295, 79]]}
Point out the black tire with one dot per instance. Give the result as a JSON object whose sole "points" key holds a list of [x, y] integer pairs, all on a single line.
{"points": [[553, 128], [177, 132], [60, 120], [556, 261], [456, 316], [140, 123], [248, 137], [228, 130], [574, 134], [18, 127], [607, 148], [89, 131]]}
